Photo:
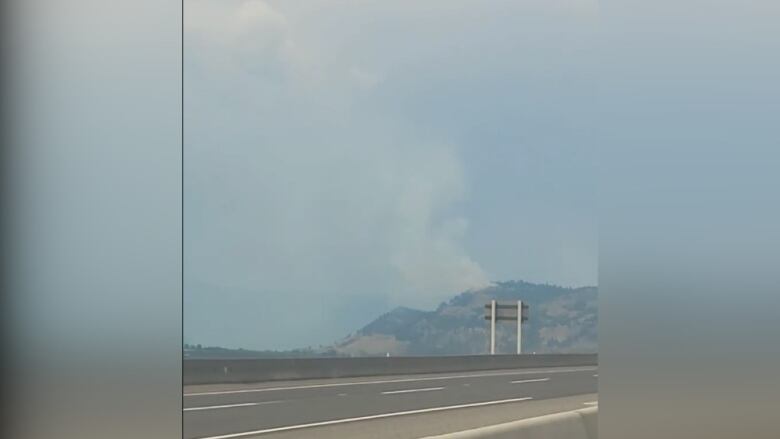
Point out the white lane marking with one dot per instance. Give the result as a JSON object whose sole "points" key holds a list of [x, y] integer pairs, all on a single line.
{"points": [[212, 407], [366, 418], [596, 375], [531, 381], [591, 403], [428, 389], [400, 380], [342, 394]]}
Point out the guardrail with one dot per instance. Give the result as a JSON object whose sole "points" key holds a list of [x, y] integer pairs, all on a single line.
{"points": [[577, 424], [216, 371]]}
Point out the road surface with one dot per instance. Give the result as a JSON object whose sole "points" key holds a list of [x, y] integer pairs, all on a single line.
{"points": [[386, 407]]}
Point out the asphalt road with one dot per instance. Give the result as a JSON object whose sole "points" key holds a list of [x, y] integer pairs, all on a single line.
{"points": [[384, 407]]}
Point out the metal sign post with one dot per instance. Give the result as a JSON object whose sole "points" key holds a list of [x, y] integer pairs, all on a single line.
{"points": [[518, 313], [519, 327], [492, 327]]}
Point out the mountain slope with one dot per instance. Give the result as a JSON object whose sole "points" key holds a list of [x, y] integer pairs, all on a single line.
{"points": [[561, 320]]}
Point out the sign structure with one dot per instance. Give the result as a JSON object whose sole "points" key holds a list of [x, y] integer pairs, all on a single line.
{"points": [[516, 312]]}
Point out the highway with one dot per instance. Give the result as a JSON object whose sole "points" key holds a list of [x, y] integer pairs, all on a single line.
{"points": [[408, 406]]}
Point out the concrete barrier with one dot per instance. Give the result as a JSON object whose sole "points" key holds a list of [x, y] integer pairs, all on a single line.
{"points": [[215, 371], [578, 424]]}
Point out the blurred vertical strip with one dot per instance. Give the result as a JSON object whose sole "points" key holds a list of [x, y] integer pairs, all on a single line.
{"points": [[690, 221], [5, 142], [93, 219]]}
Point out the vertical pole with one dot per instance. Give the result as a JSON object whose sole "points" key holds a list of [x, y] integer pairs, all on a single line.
{"points": [[492, 327], [519, 327]]}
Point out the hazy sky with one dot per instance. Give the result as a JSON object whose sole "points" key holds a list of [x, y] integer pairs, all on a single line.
{"points": [[345, 157]]}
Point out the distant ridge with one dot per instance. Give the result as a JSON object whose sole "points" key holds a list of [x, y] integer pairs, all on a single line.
{"points": [[562, 320]]}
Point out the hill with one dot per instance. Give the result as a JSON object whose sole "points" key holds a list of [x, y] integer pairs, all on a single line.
{"points": [[562, 320]]}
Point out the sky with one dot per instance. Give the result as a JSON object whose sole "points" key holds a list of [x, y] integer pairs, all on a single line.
{"points": [[342, 158]]}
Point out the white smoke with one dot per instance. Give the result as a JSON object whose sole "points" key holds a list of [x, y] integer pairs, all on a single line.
{"points": [[291, 185]]}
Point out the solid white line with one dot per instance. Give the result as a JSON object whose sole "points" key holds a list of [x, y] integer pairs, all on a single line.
{"points": [[428, 389], [247, 404], [401, 380], [531, 381], [591, 403], [365, 418]]}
